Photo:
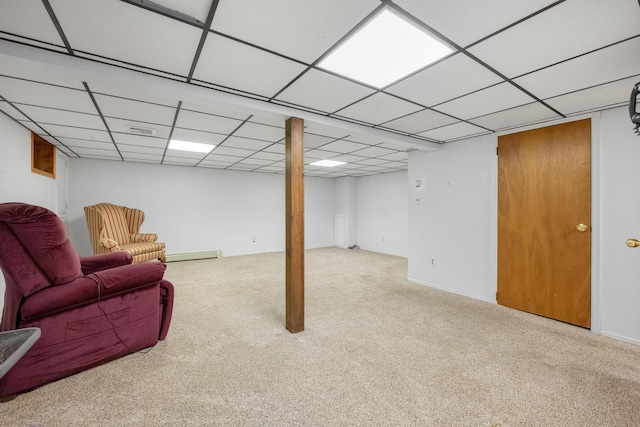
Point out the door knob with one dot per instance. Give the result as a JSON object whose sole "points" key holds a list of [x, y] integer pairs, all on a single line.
{"points": [[581, 228], [633, 243]]}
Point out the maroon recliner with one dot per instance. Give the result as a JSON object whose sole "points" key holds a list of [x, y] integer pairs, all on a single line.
{"points": [[90, 310]]}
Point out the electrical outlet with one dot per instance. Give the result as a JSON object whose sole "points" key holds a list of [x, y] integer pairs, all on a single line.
{"points": [[432, 262]]}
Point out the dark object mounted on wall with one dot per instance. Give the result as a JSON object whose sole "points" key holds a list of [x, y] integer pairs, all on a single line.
{"points": [[633, 107]]}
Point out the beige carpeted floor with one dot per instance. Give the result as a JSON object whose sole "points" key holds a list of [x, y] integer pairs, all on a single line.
{"points": [[377, 351]]}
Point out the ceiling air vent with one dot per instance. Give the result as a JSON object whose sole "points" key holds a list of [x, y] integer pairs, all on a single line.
{"points": [[139, 130]]}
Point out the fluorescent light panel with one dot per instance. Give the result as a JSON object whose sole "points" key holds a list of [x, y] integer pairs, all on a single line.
{"points": [[384, 50], [195, 147], [327, 163]]}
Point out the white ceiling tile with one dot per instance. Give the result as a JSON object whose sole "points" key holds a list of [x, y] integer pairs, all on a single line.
{"points": [[419, 122], [142, 157], [151, 40], [28, 19], [598, 97], [395, 145], [62, 117], [198, 9], [197, 136], [105, 151], [187, 155], [315, 141], [343, 146], [349, 158], [31, 126], [275, 148], [137, 111], [454, 131], [120, 126], [10, 111], [486, 101], [465, 21], [585, 71], [323, 91], [245, 143], [372, 162], [228, 111], [313, 155], [324, 130], [156, 151], [261, 132], [519, 116], [76, 132], [230, 151], [206, 122], [87, 143], [264, 155], [46, 95], [115, 91], [403, 156], [550, 37], [214, 164], [265, 118], [139, 140], [255, 162], [222, 159], [364, 138], [300, 30], [179, 161], [25, 69], [453, 77], [379, 108], [229, 63], [373, 152], [242, 167]]}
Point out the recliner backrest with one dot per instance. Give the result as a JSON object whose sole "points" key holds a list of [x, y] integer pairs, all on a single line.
{"points": [[44, 237]]}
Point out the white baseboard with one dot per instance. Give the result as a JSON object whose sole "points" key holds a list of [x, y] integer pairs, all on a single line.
{"points": [[194, 255], [454, 291]]}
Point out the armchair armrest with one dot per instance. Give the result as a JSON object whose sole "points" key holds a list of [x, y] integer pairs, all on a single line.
{"points": [[109, 243], [144, 237], [84, 290], [92, 264]]}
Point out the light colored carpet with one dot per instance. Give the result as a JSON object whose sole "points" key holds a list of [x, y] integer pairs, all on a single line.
{"points": [[377, 351]]}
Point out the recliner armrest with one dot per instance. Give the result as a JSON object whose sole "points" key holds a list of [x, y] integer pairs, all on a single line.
{"points": [[94, 263], [84, 290]]}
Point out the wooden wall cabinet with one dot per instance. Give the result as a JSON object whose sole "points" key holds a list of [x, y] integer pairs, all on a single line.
{"points": [[43, 156]]}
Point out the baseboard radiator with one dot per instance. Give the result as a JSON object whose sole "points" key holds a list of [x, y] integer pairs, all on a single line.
{"points": [[194, 255]]}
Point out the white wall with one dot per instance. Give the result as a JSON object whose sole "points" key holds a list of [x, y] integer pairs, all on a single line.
{"points": [[17, 182], [197, 209], [456, 221], [382, 213]]}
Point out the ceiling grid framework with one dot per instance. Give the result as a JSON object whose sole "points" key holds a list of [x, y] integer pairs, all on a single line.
{"points": [[527, 62]]}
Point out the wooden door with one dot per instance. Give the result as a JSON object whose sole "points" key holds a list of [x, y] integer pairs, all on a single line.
{"points": [[544, 201]]}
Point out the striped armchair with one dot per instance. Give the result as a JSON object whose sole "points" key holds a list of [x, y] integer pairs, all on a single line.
{"points": [[117, 228]]}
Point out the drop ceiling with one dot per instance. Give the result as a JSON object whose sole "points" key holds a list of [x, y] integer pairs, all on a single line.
{"points": [[81, 73]]}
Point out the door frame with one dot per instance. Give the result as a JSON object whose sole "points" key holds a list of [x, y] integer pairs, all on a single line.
{"points": [[596, 229]]}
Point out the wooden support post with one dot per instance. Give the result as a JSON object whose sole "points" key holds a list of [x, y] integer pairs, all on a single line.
{"points": [[294, 168]]}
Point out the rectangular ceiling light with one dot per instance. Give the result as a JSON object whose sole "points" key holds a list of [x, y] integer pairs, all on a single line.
{"points": [[195, 147], [384, 50], [327, 163]]}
